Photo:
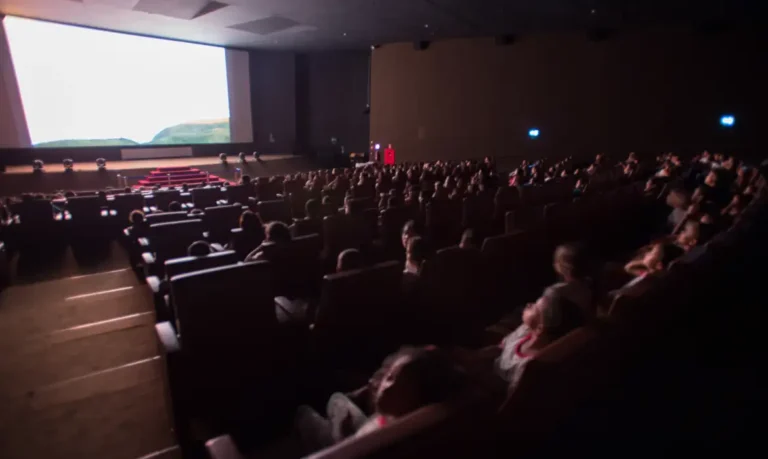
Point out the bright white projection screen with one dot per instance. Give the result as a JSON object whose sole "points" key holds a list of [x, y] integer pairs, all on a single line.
{"points": [[82, 87]]}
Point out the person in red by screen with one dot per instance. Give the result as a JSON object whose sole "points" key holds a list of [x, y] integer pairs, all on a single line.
{"points": [[389, 155]]}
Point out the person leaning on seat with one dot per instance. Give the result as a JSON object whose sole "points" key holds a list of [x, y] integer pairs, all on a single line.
{"points": [[407, 381]]}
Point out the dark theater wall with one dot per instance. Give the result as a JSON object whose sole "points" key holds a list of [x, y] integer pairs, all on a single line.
{"points": [[648, 91]]}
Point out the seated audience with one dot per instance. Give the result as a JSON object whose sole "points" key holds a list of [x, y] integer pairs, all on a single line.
{"points": [[653, 260], [139, 227], [199, 249], [409, 380], [275, 233], [550, 318], [251, 236], [174, 206], [468, 240], [575, 267], [349, 260], [409, 231]]}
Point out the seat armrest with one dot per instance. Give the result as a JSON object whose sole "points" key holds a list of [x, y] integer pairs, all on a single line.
{"points": [[143, 242], [155, 284], [167, 338], [223, 447], [127, 232], [148, 258]]}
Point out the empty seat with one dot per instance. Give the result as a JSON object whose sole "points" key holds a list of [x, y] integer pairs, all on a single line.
{"points": [[124, 204], [455, 297], [203, 198], [85, 210], [221, 220], [161, 199], [169, 240], [443, 222], [239, 194], [276, 210], [345, 232], [230, 365], [296, 265], [358, 319], [183, 265]]}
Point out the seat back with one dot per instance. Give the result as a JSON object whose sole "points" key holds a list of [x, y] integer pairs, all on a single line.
{"points": [[239, 194], [161, 199], [221, 219], [183, 265], [203, 198], [392, 222], [357, 315], [126, 203], [519, 264], [296, 265], [454, 287], [243, 243], [35, 212], [85, 209], [275, 210], [443, 222], [305, 227], [166, 217], [216, 311], [345, 232], [171, 240]]}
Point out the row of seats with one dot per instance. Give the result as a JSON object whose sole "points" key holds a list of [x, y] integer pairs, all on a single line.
{"points": [[352, 322], [587, 372]]}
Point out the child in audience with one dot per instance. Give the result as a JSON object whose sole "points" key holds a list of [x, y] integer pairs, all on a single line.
{"points": [[655, 259], [409, 380], [276, 233], [349, 260], [550, 318], [409, 231], [468, 240], [576, 267], [139, 227]]}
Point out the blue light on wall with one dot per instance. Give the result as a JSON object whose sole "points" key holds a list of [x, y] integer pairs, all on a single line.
{"points": [[533, 133], [727, 120]]}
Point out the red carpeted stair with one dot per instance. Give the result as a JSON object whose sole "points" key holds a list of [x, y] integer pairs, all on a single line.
{"points": [[176, 176]]}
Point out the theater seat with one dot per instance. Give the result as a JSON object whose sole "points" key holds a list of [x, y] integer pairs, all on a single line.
{"points": [[125, 203], [230, 366], [277, 210], [239, 194], [86, 212], [455, 298], [183, 265], [345, 232], [167, 241], [296, 265], [203, 198], [161, 199], [166, 217], [358, 320], [220, 220]]}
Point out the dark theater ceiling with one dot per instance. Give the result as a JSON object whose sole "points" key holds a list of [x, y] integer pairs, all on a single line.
{"points": [[349, 24]]}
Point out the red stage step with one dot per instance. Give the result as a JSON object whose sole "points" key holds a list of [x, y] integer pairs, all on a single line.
{"points": [[176, 176]]}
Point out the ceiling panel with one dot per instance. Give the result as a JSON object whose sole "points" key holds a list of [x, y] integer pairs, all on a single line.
{"points": [[341, 24]]}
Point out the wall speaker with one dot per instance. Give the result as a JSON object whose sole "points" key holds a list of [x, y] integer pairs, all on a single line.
{"points": [[505, 40], [421, 45]]}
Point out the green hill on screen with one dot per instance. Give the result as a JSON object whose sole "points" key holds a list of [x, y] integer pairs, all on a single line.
{"points": [[209, 131], [88, 143], [193, 132]]}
